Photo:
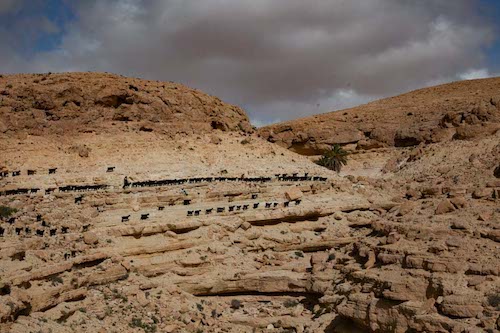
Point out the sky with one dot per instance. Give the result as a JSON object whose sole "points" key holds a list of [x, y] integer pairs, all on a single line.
{"points": [[278, 59]]}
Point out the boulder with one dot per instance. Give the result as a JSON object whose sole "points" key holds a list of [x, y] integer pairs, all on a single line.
{"points": [[494, 235], [459, 225], [393, 238], [413, 194], [90, 238], [372, 259], [484, 216], [459, 202], [457, 192], [468, 132], [293, 194], [245, 225], [444, 207], [454, 242], [431, 191], [406, 207], [482, 193]]}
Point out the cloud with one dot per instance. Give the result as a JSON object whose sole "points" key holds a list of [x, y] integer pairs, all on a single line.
{"points": [[341, 99], [7, 6], [279, 59], [475, 74]]}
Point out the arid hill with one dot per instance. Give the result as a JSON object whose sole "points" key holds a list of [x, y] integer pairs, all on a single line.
{"points": [[44, 104], [194, 224], [459, 110]]}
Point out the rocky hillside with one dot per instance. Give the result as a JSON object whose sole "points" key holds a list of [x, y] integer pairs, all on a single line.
{"points": [[441, 240], [460, 110], [118, 229], [45, 104]]}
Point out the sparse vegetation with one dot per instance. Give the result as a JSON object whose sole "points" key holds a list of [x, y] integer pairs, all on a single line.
{"points": [[290, 303], [494, 301], [56, 280], [235, 304], [6, 212], [148, 328], [11, 305], [334, 159], [108, 311], [118, 295]]}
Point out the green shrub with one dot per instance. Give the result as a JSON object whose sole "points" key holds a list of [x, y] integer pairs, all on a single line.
{"points": [[6, 212], [148, 328]]}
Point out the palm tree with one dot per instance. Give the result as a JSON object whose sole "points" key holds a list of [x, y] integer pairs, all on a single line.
{"points": [[334, 158]]}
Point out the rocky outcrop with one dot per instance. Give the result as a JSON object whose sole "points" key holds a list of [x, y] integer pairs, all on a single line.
{"points": [[48, 104]]}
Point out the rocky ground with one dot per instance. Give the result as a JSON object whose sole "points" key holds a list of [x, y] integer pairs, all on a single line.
{"points": [[405, 239]]}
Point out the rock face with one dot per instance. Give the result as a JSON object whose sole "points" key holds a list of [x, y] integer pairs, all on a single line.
{"points": [[45, 104], [460, 110], [205, 230]]}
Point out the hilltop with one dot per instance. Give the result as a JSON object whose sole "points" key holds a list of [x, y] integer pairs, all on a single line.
{"points": [[71, 103], [459, 110]]}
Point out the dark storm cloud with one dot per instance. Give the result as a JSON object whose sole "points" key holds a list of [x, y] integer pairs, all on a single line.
{"points": [[278, 58], [7, 6]]}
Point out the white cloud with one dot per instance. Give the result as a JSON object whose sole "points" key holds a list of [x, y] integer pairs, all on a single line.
{"points": [[261, 123], [473, 74]]}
